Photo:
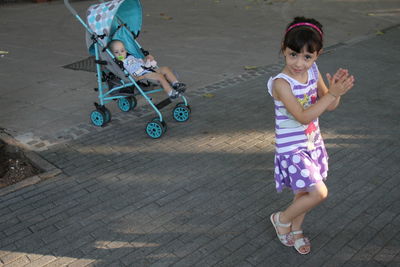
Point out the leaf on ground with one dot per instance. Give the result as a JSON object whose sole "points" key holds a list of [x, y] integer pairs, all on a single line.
{"points": [[379, 33], [209, 95], [165, 16], [250, 67]]}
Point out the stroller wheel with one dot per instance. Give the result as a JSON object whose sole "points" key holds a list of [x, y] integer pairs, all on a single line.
{"points": [[181, 112], [127, 103], [155, 128], [98, 118], [107, 114], [183, 104]]}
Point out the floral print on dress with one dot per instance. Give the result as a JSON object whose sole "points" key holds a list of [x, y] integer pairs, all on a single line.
{"points": [[311, 129]]}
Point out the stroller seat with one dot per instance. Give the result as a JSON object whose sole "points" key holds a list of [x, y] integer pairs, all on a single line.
{"points": [[113, 81]]}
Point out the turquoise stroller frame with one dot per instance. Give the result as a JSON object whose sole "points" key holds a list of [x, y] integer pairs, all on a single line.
{"points": [[121, 20]]}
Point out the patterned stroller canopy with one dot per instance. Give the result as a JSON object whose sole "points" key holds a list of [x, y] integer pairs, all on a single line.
{"points": [[104, 19]]}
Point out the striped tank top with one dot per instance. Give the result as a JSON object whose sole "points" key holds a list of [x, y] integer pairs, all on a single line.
{"points": [[290, 135]]}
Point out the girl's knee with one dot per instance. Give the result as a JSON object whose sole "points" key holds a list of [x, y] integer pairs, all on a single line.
{"points": [[323, 195], [321, 192]]}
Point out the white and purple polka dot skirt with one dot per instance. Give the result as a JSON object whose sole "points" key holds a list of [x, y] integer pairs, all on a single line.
{"points": [[302, 170]]}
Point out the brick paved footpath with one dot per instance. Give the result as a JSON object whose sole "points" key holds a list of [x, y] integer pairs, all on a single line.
{"points": [[202, 195]]}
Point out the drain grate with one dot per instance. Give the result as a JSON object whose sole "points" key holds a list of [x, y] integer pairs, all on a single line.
{"points": [[86, 64]]}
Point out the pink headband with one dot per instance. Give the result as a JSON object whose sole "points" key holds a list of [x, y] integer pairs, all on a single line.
{"points": [[305, 24]]}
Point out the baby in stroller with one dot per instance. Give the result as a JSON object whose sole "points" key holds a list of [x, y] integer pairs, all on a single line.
{"points": [[147, 69], [123, 66]]}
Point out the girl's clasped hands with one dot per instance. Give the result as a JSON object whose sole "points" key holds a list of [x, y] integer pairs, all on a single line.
{"points": [[340, 83]]}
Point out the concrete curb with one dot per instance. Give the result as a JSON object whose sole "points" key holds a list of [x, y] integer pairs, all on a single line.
{"points": [[48, 170]]}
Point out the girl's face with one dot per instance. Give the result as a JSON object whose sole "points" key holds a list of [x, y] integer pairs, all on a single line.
{"points": [[297, 64], [119, 50]]}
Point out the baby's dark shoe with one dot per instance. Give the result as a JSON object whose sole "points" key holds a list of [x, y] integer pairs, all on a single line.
{"points": [[174, 95], [180, 87]]}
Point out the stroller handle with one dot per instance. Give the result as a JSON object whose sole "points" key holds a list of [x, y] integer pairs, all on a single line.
{"points": [[70, 8], [75, 14]]}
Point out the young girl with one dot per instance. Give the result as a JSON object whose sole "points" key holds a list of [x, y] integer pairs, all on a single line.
{"points": [[301, 96]]}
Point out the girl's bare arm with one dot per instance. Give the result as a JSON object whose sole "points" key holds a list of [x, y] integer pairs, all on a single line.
{"points": [[339, 84]]}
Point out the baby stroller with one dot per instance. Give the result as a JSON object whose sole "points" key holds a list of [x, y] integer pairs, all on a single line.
{"points": [[122, 20]]}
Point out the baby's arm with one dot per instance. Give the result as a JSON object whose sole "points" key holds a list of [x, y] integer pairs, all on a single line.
{"points": [[149, 62], [283, 92], [149, 58]]}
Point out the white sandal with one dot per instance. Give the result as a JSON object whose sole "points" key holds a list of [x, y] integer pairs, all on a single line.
{"points": [[286, 239], [301, 242]]}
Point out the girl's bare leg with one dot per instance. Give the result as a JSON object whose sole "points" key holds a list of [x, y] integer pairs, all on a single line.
{"points": [[305, 203], [298, 222], [301, 204]]}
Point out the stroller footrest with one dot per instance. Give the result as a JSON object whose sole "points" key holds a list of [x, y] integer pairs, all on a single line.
{"points": [[163, 103]]}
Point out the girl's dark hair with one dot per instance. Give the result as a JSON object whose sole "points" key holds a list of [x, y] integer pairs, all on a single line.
{"points": [[303, 36]]}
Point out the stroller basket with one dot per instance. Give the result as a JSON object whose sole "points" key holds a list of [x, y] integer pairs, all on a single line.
{"points": [[121, 20]]}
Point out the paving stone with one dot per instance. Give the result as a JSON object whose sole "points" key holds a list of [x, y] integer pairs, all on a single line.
{"points": [[21, 261], [42, 261], [388, 252], [60, 261]]}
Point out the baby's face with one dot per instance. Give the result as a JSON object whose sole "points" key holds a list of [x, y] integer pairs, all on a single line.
{"points": [[119, 50]]}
